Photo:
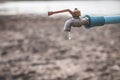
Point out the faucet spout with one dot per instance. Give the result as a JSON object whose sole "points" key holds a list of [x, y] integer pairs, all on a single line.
{"points": [[68, 24], [75, 22]]}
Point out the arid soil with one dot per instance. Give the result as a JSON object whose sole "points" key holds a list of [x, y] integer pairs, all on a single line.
{"points": [[34, 47]]}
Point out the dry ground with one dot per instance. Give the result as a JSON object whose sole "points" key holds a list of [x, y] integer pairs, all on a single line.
{"points": [[36, 48]]}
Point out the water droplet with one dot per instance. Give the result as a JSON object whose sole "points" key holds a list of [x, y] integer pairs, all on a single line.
{"points": [[69, 35]]}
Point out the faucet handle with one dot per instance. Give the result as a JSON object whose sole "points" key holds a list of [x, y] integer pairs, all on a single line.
{"points": [[60, 11], [74, 13]]}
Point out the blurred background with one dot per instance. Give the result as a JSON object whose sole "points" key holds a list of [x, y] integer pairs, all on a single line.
{"points": [[99, 7], [33, 46]]}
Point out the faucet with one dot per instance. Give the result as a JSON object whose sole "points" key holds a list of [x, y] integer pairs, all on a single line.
{"points": [[88, 21], [75, 21]]}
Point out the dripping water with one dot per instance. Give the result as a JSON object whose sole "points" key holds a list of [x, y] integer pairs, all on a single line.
{"points": [[69, 35]]}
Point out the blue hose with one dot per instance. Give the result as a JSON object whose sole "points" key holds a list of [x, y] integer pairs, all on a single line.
{"points": [[101, 20], [112, 19]]}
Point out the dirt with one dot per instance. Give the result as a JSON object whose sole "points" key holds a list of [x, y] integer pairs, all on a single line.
{"points": [[35, 47]]}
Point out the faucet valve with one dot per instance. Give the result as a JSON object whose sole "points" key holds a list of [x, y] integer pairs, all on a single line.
{"points": [[76, 13]]}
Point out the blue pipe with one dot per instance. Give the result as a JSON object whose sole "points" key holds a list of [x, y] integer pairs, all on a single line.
{"points": [[101, 20], [112, 19]]}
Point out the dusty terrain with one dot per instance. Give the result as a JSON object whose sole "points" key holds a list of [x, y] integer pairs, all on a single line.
{"points": [[36, 48]]}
